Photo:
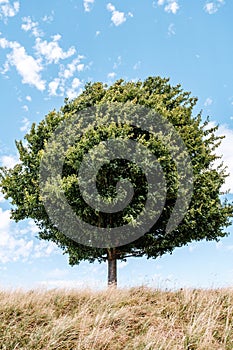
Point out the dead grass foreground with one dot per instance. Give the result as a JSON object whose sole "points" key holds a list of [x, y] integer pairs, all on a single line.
{"points": [[136, 318]]}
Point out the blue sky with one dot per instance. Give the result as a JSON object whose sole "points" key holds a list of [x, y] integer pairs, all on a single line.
{"points": [[49, 50]]}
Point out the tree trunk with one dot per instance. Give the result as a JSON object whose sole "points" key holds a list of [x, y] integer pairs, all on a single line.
{"points": [[112, 267]]}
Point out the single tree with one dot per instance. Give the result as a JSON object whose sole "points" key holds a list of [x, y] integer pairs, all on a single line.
{"points": [[206, 215]]}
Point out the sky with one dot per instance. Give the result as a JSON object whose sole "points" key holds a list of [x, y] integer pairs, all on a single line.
{"points": [[48, 51]]}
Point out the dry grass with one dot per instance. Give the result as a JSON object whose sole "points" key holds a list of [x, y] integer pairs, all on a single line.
{"points": [[138, 318]]}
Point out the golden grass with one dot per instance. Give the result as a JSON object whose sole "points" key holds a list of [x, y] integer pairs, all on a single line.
{"points": [[136, 318]]}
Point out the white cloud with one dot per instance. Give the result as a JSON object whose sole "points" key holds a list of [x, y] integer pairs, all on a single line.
{"points": [[44, 249], [224, 247], [46, 52], [2, 199], [210, 8], [27, 66], [161, 2], [110, 7], [171, 29], [28, 98], [17, 244], [51, 51], [97, 33], [69, 70], [219, 245], [75, 88], [5, 69], [26, 125], [4, 220], [25, 108], [56, 37], [92, 276], [225, 150], [111, 75], [9, 161], [122, 264], [88, 5], [59, 86], [29, 25], [53, 86], [192, 247], [208, 102], [117, 17], [71, 284], [4, 43], [80, 67], [213, 6], [137, 65], [117, 63], [170, 5], [12, 248], [8, 10], [76, 83], [57, 273], [48, 18]]}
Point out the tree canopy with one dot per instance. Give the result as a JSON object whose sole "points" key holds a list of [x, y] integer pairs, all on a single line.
{"points": [[206, 215]]}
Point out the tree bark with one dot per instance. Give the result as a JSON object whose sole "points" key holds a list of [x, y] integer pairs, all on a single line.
{"points": [[112, 267]]}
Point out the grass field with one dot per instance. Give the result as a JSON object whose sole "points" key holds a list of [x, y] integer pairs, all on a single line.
{"points": [[138, 318]]}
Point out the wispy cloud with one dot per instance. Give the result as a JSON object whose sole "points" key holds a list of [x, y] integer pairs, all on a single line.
{"points": [[117, 63], [48, 18], [62, 84], [170, 6], [208, 102], [25, 125], [137, 65], [171, 29], [29, 26], [57, 273], [72, 284], [212, 7], [25, 108], [88, 4], [111, 75], [71, 68]]}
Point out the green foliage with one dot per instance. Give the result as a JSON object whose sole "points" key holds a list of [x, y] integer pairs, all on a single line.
{"points": [[207, 215]]}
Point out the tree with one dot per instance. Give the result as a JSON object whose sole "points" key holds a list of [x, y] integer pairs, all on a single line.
{"points": [[205, 216]]}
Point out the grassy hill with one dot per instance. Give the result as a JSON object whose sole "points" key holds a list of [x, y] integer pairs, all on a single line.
{"points": [[138, 318]]}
